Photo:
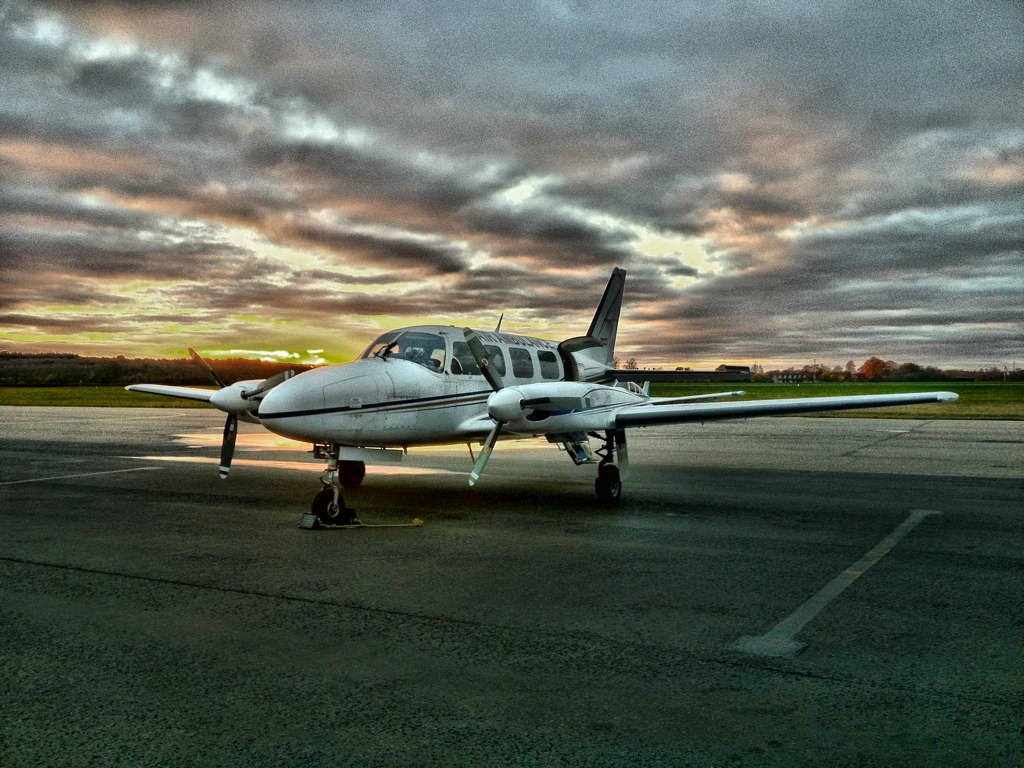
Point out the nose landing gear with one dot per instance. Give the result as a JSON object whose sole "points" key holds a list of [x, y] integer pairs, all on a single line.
{"points": [[329, 505]]}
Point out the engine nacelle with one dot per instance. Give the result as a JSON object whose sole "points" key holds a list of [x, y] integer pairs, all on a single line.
{"points": [[506, 405], [231, 399]]}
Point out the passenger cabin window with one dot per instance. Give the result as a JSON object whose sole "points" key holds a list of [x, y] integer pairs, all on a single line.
{"points": [[426, 349], [549, 368], [522, 364], [464, 364], [497, 359]]}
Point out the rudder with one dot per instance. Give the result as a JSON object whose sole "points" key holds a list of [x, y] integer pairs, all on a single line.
{"points": [[605, 324]]}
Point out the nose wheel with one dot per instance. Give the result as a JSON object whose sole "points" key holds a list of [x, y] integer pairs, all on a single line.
{"points": [[329, 508], [329, 505]]}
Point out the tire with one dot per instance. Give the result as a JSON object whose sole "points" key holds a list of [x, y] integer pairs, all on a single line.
{"points": [[329, 513], [608, 486]]}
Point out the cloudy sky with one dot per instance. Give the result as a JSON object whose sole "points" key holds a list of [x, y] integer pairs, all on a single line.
{"points": [[784, 181]]}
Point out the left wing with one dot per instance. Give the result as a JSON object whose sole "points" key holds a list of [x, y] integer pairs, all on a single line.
{"points": [[654, 412], [186, 393]]}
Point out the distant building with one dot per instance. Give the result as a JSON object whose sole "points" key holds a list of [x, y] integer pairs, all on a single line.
{"points": [[790, 377], [681, 375]]}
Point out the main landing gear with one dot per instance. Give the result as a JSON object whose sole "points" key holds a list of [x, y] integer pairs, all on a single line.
{"points": [[608, 484], [329, 505]]}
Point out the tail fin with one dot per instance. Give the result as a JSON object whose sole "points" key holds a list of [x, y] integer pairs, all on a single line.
{"points": [[605, 324]]}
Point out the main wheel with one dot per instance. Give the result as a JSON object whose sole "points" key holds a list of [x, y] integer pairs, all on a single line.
{"points": [[329, 512], [608, 485], [351, 473]]}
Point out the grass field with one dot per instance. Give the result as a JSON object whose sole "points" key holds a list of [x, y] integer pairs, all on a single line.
{"points": [[113, 397], [978, 399]]}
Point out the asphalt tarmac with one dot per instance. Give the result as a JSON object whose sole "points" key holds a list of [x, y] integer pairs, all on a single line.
{"points": [[784, 592]]}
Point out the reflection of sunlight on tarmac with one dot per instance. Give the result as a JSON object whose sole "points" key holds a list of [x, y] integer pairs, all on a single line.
{"points": [[268, 441], [308, 466], [250, 441]]}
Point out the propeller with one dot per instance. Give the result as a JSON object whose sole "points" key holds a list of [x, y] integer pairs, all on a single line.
{"points": [[238, 398], [227, 445], [485, 453], [209, 368], [505, 405], [576, 344], [476, 347], [490, 373], [267, 384]]}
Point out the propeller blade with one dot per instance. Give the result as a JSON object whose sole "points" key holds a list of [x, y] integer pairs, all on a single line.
{"points": [[227, 447], [209, 369], [576, 344], [485, 454], [268, 384], [476, 347]]}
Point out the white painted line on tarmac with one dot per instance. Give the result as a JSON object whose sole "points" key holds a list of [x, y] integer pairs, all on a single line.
{"points": [[82, 474], [778, 641]]}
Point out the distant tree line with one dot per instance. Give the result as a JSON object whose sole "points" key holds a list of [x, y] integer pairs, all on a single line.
{"points": [[25, 369], [877, 369], [51, 370]]}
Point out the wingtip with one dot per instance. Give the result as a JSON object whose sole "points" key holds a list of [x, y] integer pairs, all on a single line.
{"points": [[948, 397]]}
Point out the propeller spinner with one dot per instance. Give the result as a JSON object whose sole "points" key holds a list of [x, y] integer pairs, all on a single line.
{"points": [[242, 397]]}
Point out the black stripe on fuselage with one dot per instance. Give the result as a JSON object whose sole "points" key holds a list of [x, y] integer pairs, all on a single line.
{"points": [[416, 403]]}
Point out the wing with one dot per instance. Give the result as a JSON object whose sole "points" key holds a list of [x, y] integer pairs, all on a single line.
{"points": [[186, 393], [475, 427], [653, 412]]}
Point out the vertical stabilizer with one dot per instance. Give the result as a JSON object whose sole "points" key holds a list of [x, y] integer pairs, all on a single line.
{"points": [[605, 324]]}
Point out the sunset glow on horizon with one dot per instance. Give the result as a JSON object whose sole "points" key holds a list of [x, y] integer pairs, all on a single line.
{"points": [[287, 181]]}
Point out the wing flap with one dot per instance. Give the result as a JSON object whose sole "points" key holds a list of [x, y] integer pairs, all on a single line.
{"points": [[651, 414], [185, 393]]}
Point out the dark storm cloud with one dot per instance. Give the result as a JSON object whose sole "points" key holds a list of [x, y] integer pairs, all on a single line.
{"points": [[827, 162], [361, 173], [109, 256], [381, 251], [546, 237]]}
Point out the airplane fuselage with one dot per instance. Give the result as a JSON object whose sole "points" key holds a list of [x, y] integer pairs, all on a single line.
{"points": [[417, 386]]}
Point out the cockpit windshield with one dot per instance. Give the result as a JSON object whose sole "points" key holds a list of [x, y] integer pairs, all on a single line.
{"points": [[426, 349]]}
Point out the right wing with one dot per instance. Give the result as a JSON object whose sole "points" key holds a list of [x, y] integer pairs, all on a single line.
{"points": [[652, 413], [186, 393]]}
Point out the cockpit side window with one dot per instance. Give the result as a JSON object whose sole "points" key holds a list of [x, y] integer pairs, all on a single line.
{"points": [[463, 363], [378, 345], [426, 349]]}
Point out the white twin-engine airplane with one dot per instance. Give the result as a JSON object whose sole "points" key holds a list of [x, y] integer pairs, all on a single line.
{"points": [[434, 384]]}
